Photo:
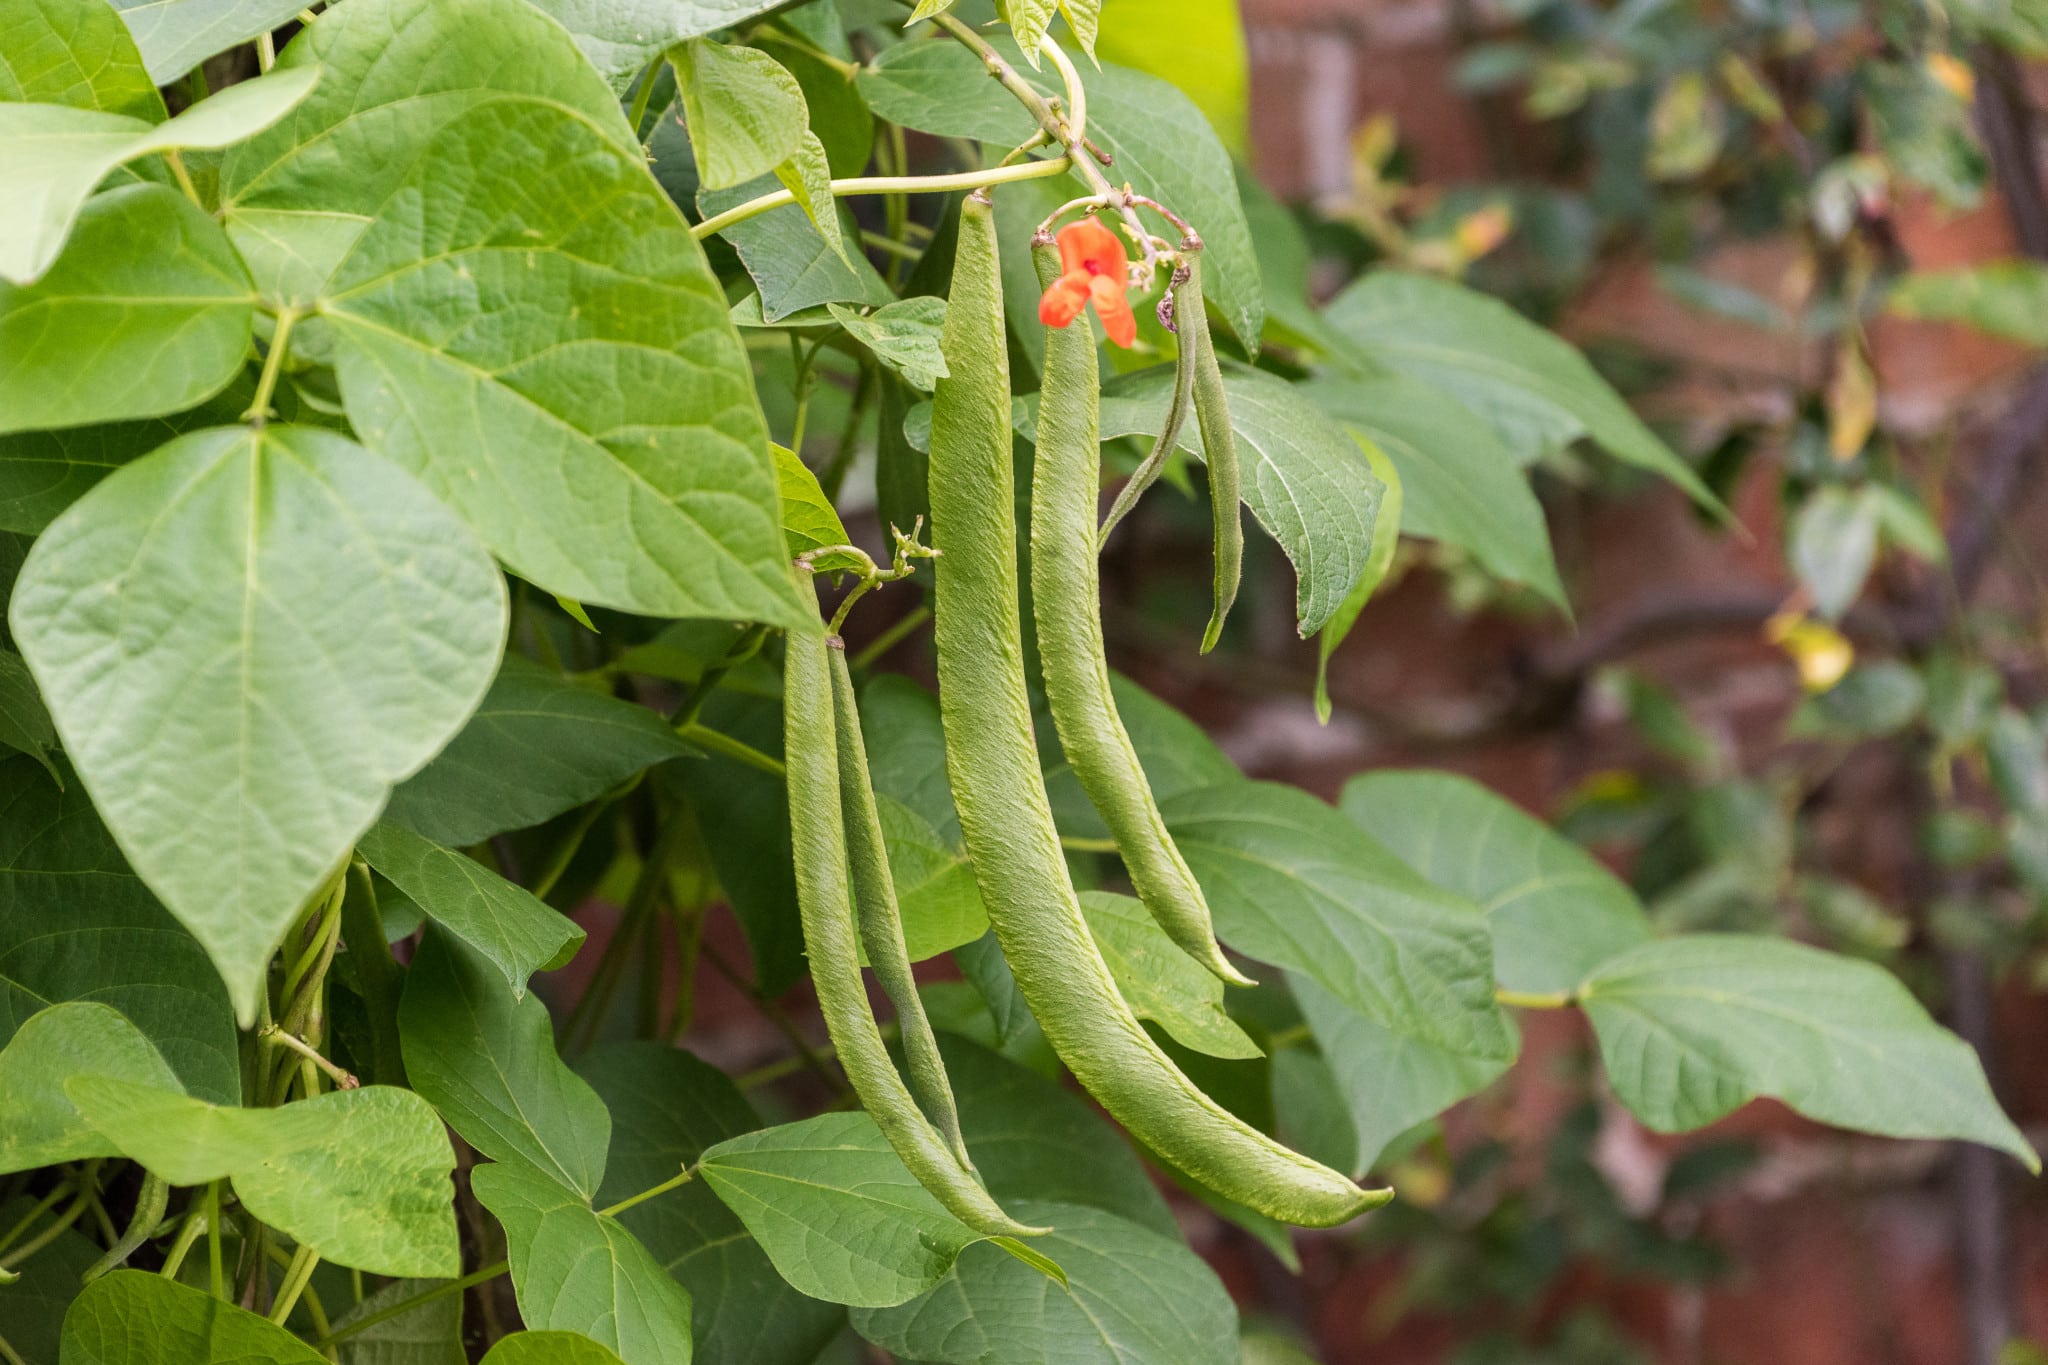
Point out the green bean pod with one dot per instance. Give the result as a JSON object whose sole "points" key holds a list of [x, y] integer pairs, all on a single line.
{"points": [[1066, 599], [824, 901], [992, 764], [881, 919], [1219, 453], [1186, 288]]}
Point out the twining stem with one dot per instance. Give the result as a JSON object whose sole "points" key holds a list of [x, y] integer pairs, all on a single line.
{"points": [[888, 184], [273, 364], [419, 1300], [304, 1258], [308, 1296], [188, 1234]]}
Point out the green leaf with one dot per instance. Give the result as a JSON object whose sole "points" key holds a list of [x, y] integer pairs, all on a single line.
{"points": [[1535, 390], [2005, 298], [1292, 882], [53, 156], [667, 1107], [505, 923], [394, 73], [1459, 483], [809, 521], [1556, 912], [72, 1039], [133, 1317], [1159, 980], [839, 116], [836, 1210], [549, 1348], [487, 1061], [360, 1176], [540, 744], [24, 720], [1132, 1295], [426, 1334], [177, 35], [1031, 1138], [579, 1271], [745, 112], [587, 417], [807, 174], [147, 312], [63, 52], [1693, 1028], [1028, 20], [1305, 480], [1085, 18], [902, 335], [1834, 545], [317, 622], [1389, 1083], [76, 924], [622, 36], [792, 265], [43, 1288], [1159, 139], [1386, 539]]}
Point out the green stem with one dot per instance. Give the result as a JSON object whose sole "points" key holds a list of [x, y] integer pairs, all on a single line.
{"points": [[216, 1273], [315, 1310], [1535, 1000], [907, 184], [900, 250], [180, 174], [725, 746], [273, 365], [304, 1258], [149, 1211], [42, 1206], [676, 1182], [188, 1236], [903, 627], [420, 1300], [640, 101], [21, 1254], [9, 1355], [1074, 843], [342, 1079]]}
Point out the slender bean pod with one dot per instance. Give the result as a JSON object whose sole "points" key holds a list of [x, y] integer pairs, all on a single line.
{"points": [[1186, 288], [1066, 600], [992, 763], [881, 919], [1219, 453], [824, 902]]}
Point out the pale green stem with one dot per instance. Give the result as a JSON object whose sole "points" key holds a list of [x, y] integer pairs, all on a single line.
{"points": [[675, 1182], [304, 1258], [1535, 1000], [273, 364], [889, 184], [727, 747]]}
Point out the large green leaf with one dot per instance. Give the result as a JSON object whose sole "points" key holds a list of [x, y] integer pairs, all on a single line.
{"points": [[539, 745], [177, 35], [360, 1176], [72, 1039], [1162, 146], [487, 1061], [134, 1317], [1389, 1083], [1293, 883], [63, 52], [52, 156], [1692, 1028], [836, 1211], [1132, 1295], [1556, 912], [394, 72], [76, 924], [605, 441], [147, 311], [1031, 1138], [578, 1271], [1534, 388], [1159, 980], [317, 624], [506, 924], [621, 36], [667, 1107], [1459, 484], [1304, 478]]}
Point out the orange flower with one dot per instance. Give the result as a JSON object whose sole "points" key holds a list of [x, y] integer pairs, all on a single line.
{"points": [[1092, 264]]}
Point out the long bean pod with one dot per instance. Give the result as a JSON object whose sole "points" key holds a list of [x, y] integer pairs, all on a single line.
{"points": [[1066, 599], [992, 764], [880, 917], [818, 838]]}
